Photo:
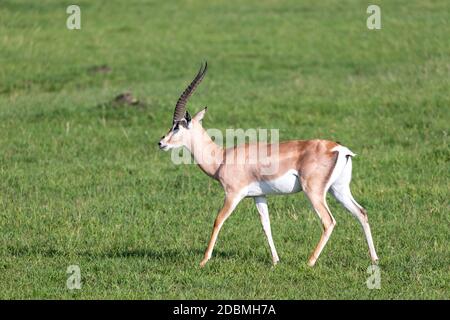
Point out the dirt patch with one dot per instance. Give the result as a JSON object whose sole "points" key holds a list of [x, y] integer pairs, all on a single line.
{"points": [[102, 69], [123, 100]]}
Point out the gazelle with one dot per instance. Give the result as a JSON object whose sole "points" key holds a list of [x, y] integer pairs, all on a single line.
{"points": [[312, 166]]}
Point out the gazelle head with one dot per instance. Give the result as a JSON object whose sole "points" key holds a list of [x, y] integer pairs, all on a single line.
{"points": [[180, 134]]}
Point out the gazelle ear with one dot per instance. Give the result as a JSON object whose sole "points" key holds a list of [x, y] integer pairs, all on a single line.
{"points": [[188, 120], [187, 116], [199, 116]]}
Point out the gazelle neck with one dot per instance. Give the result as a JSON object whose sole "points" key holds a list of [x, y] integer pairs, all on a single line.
{"points": [[207, 154]]}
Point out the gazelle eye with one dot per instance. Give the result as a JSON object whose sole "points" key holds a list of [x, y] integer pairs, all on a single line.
{"points": [[176, 127]]}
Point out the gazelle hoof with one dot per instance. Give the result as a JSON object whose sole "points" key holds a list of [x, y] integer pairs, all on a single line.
{"points": [[311, 263], [202, 264]]}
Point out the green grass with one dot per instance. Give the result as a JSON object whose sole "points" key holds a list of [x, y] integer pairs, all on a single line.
{"points": [[83, 183]]}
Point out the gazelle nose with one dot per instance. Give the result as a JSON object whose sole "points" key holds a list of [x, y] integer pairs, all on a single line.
{"points": [[159, 144]]}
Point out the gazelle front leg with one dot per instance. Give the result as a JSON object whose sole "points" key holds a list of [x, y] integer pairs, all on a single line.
{"points": [[231, 201], [261, 205]]}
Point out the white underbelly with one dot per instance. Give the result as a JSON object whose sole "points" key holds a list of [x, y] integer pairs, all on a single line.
{"points": [[285, 184]]}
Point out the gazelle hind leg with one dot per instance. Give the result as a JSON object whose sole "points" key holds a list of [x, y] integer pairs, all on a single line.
{"points": [[344, 196], [340, 189], [320, 206], [261, 205]]}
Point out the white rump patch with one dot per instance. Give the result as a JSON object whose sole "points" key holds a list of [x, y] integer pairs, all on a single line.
{"points": [[340, 163]]}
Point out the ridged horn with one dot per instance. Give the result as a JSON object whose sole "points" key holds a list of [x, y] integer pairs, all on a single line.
{"points": [[180, 108]]}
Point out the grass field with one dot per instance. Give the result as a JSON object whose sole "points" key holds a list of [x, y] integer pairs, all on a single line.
{"points": [[82, 181]]}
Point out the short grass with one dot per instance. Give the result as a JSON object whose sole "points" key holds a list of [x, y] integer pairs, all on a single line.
{"points": [[82, 182]]}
